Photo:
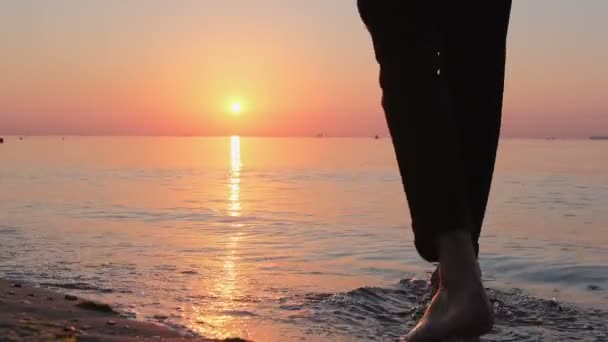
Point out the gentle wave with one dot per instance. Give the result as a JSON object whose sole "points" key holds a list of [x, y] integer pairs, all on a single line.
{"points": [[376, 314]]}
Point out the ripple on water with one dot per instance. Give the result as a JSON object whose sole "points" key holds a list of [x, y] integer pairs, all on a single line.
{"points": [[7, 230], [78, 286], [376, 314]]}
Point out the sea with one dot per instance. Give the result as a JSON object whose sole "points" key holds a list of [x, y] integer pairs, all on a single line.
{"points": [[279, 239]]}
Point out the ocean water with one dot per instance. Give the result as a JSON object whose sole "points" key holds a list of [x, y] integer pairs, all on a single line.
{"points": [[296, 238]]}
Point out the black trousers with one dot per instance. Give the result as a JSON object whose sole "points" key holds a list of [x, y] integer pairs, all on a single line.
{"points": [[442, 68]]}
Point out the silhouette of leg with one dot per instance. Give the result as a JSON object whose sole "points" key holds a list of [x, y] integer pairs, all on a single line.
{"points": [[473, 51], [476, 83], [428, 136], [424, 132], [472, 62]]}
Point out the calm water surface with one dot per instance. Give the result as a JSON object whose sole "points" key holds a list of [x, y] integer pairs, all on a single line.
{"points": [[236, 236]]}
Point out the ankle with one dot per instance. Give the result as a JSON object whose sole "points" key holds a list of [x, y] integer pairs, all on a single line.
{"points": [[457, 260], [456, 247]]}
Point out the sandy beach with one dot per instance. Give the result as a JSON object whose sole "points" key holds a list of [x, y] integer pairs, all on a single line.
{"points": [[34, 314]]}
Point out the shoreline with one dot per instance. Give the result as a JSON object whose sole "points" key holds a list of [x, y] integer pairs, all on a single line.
{"points": [[29, 313]]}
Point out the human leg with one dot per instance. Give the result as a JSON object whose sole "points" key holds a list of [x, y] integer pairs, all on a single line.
{"points": [[424, 133], [473, 63], [473, 56]]}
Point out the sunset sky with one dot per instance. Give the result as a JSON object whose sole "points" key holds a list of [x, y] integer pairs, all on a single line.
{"points": [[266, 67]]}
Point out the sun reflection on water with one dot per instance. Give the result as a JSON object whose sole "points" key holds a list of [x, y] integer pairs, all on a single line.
{"points": [[234, 206], [217, 320]]}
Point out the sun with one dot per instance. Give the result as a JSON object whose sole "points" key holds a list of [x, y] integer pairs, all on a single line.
{"points": [[236, 108]]}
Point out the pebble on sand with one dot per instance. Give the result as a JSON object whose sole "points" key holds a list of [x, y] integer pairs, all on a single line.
{"points": [[70, 297], [91, 305], [70, 329]]}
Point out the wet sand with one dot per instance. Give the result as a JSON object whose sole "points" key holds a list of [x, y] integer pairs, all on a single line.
{"points": [[28, 313]]}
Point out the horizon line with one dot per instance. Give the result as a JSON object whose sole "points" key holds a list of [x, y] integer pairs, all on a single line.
{"points": [[373, 136]]}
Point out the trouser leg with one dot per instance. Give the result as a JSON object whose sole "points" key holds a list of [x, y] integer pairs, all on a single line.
{"points": [[473, 51], [417, 105]]}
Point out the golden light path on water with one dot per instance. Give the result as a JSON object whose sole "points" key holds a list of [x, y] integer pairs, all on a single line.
{"points": [[217, 319], [235, 176]]}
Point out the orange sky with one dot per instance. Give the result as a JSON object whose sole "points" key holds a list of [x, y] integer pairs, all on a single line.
{"points": [[298, 68]]}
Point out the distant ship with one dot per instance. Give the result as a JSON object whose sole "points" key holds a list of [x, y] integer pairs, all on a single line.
{"points": [[599, 137]]}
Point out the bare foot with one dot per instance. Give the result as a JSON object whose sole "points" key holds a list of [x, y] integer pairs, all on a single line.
{"points": [[460, 308], [462, 314]]}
